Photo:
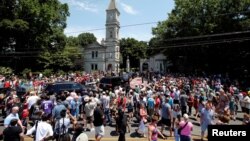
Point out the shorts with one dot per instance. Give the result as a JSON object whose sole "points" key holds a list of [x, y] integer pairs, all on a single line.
{"points": [[99, 131], [166, 122], [204, 127], [175, 114], [89, 119]]}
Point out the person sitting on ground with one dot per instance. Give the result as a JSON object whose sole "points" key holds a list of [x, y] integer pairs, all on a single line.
{"points": [[246, 119]]}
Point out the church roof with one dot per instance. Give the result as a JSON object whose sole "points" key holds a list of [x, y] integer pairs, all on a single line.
{"points": [[94, 46], [112, 5]]}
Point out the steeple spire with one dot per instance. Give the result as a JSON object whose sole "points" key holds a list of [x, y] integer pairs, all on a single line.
{"points": [[112, 5]]}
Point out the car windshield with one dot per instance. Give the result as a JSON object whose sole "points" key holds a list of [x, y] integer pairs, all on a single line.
{"points": [[105, 80]]}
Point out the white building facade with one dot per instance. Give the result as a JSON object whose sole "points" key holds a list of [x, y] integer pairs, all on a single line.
{"points": [[156, 63], [105, 56]]}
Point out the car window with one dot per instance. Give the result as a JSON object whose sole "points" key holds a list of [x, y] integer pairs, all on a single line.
{"points": [[77, 86], [64, 87], [105, 80], [116, 81]]}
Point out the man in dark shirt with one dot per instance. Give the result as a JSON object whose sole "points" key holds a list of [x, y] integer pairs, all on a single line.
{"points": [[13, 132], [98, 122]]}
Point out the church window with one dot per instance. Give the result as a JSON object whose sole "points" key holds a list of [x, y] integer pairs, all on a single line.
{"points": [[96, 54], [110, 55], [111, 34], [94, 66], [93, 54]]}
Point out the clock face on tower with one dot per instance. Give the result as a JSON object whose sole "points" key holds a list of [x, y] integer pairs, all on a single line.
{"points": [[111, 16]]}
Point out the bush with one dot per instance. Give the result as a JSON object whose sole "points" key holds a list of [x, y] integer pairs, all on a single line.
{"points": [[5, 70], [60, 72], [26, 72], [47, 72]]}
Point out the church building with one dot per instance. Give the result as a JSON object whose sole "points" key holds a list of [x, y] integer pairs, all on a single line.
{"points": [[105, 56]]}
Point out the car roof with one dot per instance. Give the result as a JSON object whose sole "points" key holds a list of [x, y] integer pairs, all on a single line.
{"points": [[111, 77], [64, 82]]}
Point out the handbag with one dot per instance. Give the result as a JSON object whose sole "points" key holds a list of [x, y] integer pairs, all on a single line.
{"points": [[179, 130]]}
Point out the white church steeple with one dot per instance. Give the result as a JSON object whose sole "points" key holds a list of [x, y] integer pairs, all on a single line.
{"points": [[112, 37]]}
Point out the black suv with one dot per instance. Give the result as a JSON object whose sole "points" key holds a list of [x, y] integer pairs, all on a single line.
{"points": [[59, 87], [111, 82]]}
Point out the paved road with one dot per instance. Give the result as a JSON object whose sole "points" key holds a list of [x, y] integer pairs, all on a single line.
{"points": [[110, 130]]}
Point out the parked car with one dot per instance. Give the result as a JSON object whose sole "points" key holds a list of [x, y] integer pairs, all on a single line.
{"points": [[110, 82], [59, 87]]}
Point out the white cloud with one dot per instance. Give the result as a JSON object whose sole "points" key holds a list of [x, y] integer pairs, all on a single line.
{"points": [[82, 5], [128, 9]]}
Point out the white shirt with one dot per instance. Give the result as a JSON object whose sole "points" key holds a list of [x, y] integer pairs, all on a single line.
{"points": [[32, 100], [43, 130], [105, 101]]}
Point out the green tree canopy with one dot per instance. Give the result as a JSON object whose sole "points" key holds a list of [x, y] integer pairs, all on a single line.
{"points": [[134, 49], [195, 19], [30, 28], [202, 17], [86, 39]]}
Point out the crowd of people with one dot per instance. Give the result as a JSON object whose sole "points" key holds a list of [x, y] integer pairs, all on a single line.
{"points": [[166, 101]]}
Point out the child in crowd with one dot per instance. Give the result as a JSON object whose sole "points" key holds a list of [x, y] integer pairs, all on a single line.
{"points": [[176, 135]]}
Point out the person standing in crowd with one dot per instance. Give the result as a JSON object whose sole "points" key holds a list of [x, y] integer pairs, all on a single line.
{"points": [[130, 108], [13, 115], [143, 117], [186, 127], [56, 112], [98, 122], [89, 112], [190, 103], [43, 130], [183, 102], [106, 107], [153, 131], [122, 125], [176, 114], [62, 126], [151, 104], [32, 99], [207, 118], [47, 106], [13, 132], [166, 116]]}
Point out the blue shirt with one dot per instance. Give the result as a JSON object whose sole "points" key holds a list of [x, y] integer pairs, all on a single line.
{"points": [[56, 113], [151, 103], [9, 118], [171, 101], [165, 110], [207, 116]]}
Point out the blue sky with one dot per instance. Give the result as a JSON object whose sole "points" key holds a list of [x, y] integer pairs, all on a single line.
{"points": [[87, 15]]}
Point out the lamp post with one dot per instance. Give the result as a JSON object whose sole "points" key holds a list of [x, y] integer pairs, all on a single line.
{"points": [[128, 64]]}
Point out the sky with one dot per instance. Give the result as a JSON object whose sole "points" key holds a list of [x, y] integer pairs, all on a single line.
{"points": [[90, 16]]}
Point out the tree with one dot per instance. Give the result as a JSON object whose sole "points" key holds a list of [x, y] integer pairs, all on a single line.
{"points": [[29, 29], [205, 17], [86, 39], [202, 17], [136, 50]]}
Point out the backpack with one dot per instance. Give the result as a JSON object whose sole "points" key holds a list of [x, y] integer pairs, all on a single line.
{"points": [[65, 136]]}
